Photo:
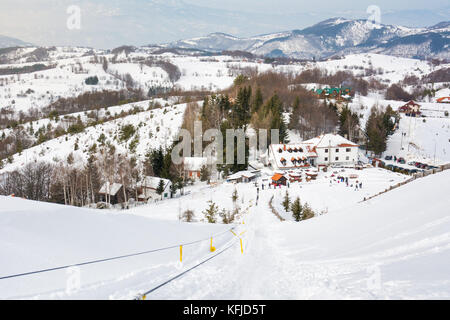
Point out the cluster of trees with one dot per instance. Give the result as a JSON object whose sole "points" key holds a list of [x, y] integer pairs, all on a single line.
{"points": [[172, 70], [26, 69], [396, 92], [379, 127], [340, 78], [69, 182], [91, 80], [348, 124], [299, 212]]}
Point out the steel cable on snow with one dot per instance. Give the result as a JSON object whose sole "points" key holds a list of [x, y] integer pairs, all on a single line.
{"points": [[112, 258], [184, 272]]}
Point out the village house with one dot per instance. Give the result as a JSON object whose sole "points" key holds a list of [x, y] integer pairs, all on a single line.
{"points": [[192, 167], [148, 189], [410, 109], [242, 176], [279, 179], [111, 193], [333, 149], [324, 150]]}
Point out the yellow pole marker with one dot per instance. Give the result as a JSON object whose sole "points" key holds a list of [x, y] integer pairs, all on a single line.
{"points": [[181, 253], [242, 250], [144, 297], [233, 233], [211, 248]]}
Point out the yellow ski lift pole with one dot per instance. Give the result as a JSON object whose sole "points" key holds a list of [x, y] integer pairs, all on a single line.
{"points": [[211, 248]]}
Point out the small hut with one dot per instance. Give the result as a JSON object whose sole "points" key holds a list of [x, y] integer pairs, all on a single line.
{"points": [[113, 192], [278, 179]]}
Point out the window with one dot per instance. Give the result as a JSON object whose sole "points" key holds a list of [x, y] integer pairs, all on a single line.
{"points": [[347, 158], [326, 159], [326, 150], [337, 150], [337, 158], [348, 150]]}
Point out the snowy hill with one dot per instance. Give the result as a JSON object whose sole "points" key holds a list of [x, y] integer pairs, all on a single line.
{"points": [[152, 129], [337, 36], [7, 42], [393, 247]]}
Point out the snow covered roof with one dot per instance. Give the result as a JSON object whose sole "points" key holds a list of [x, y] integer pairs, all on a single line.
{"points": [[194, 163], [240, 174], [153, 182], [109, 189], [291, 155], [330, 140]]}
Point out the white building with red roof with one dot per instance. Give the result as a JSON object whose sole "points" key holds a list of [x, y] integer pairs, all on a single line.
{"points": [[333, 149], [324, 150]]}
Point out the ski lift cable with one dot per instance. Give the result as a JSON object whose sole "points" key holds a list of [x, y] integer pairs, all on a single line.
{"points": [[143, 296], [113, 258]]}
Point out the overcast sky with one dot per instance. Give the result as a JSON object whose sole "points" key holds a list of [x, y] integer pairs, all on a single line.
{"points": [[110, 23]]}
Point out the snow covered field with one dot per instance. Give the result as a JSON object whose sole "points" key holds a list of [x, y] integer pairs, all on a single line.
{"points": [[425, 139], [393, 246]]}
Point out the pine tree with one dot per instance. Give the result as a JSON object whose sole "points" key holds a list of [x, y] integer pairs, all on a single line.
{"points": [[204, 174], [211, 212], [307, 212], [188, 216], [234, 196], [257, 101], [297, 209], [286, 202], [160, 188]]}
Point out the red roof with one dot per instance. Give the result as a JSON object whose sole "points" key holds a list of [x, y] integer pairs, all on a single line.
{"points": [[343, 145], [277, 177]]}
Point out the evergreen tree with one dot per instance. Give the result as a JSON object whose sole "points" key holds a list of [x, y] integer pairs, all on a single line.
{"points": [[286, 202], [307, 212], [211, 212], [297, 209], [173, 189], [295, 115], [204, 174], [257, 101], [274, 111], [160, 188], [234, 196], [375, 131], [156, 159]]}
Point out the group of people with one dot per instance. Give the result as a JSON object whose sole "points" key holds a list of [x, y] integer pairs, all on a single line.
{"points": [[358, 184]]}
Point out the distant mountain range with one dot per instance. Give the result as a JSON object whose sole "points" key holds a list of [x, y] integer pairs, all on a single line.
{"points": [[7, 42], [337, 36]]}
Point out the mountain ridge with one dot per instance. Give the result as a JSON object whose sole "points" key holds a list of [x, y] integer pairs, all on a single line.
{"points": [[334, 36]]}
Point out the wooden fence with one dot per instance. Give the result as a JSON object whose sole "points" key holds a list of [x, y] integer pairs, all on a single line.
{"points": [[414, 176]]}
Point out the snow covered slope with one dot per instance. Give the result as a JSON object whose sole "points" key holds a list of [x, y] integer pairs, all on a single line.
{"points": [[395, 246], [41, 235], [152, 129]]}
